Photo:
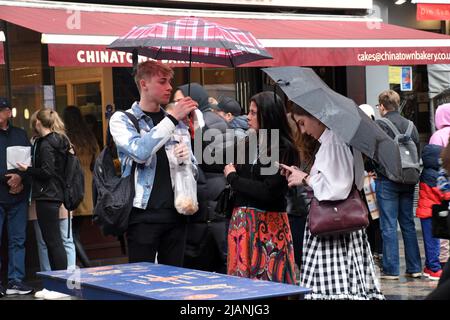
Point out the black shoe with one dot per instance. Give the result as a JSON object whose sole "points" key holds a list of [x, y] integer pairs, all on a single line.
{"points": [[15, 287], [2, 291]]}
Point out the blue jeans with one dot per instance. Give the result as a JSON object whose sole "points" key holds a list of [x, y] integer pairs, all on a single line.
{"points": [[16, 216], [432, 246], [395, 202], [69, 245]]}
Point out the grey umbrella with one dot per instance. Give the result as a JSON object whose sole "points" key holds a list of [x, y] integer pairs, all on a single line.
{"points": [[340, 114]]}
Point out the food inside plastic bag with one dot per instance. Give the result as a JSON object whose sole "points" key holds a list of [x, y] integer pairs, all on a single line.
{"points": [[183, 181]]}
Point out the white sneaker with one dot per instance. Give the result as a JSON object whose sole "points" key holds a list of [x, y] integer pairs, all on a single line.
{"points": [[53, 295], [40, 294]]}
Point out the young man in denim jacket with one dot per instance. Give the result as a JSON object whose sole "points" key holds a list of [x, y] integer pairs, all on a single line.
{"points": [[155, 227]]}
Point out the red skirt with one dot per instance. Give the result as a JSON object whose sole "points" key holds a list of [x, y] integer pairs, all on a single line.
{"points": [[260, 246]]}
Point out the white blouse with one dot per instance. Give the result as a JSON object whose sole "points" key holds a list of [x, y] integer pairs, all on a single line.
{"points": [[331, 176]]}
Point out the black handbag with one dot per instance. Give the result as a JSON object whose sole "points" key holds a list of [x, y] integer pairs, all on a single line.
{"points": [[440, 221], [225, 202]]}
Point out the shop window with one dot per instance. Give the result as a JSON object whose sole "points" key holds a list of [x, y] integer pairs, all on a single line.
{"points": [[219, 82], [88, 98], [61, 98], [414, 102]]}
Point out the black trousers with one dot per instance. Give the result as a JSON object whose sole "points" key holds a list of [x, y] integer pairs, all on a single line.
{"points": [[77, 221], [374, 235], [297, 224], [166, 239], [48, 218], [206, 246]]}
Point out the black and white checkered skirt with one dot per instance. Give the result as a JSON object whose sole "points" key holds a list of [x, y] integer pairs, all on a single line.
{"points": [[339, 267]]}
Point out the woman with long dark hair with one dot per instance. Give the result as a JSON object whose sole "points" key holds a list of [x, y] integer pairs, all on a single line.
{"points": [[86, 148], [259, 235], [341, 266]]}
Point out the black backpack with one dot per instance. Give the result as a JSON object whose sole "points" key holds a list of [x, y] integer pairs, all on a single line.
{"points": [[73, 181], [112, 194]]}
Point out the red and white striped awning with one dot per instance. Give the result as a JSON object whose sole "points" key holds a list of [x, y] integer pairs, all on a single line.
{"points": [[78, 35]]}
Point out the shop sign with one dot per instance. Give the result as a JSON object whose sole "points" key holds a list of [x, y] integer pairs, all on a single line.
{"points": [[395, 75], [63, 55], [406, 83], [433, 11], [86, 55], [345, 4]]}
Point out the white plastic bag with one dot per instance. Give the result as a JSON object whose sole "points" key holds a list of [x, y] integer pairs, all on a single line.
{"points": [[182, 176]]}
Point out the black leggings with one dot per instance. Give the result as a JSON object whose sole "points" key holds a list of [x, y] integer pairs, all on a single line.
{"points": [[48, 218]]}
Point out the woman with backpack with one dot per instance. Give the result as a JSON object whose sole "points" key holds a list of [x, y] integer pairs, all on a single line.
{"points": [[47, 172]]}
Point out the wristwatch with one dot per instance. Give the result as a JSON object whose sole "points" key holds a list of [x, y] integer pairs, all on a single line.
{"points": [[304, 182]]}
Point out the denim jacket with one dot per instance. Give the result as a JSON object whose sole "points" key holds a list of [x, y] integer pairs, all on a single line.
{"points": [[142, 147]]}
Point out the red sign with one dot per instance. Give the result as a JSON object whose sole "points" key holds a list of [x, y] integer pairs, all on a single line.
{"points": [[83, 55], [427, 11], [2, 57]]}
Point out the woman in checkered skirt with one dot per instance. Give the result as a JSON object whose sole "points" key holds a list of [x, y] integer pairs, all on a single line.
{"points": [[334, 267]]}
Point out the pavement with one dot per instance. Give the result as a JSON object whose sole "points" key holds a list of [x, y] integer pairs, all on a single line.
{"points": [[407, 288], [402, 289]]}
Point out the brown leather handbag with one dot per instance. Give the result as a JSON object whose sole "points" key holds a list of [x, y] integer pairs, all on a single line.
{"points": [[338, 217]]}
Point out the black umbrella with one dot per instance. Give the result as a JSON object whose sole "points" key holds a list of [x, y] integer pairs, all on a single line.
{"points": [[340, 114]]}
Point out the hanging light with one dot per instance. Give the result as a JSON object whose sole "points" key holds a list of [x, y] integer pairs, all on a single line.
{"points": [[14, 112], [26, 114]]}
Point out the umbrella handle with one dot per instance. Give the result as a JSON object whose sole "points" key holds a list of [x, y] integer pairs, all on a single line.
{"points": [[135, 60]]}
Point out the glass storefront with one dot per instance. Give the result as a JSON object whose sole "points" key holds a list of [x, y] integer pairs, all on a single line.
{"points": [[27, 64]]}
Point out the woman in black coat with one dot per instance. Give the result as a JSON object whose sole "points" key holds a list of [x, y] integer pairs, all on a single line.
{"points": [[47, 172]]}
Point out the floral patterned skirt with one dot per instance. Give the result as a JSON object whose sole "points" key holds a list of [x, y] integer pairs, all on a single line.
{"points": [[260, 246]]}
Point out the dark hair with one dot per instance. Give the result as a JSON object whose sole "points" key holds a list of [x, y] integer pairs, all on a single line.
{"points": [[79, 133], [272, 115], [299, 111], [306, 145]]}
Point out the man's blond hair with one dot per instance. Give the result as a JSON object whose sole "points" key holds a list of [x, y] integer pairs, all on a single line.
{"points": [[149, 69], [390, 100]]}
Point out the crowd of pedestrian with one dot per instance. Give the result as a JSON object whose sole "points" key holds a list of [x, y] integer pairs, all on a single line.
{"points": [[275, 160]]}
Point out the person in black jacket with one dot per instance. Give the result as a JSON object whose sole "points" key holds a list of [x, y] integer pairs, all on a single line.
{"points": [[47, 172], [14, 188], [206, 244], [259, 236]]}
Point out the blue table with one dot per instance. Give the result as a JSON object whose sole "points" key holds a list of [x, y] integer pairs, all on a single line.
{"points": [[141, 281]]}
